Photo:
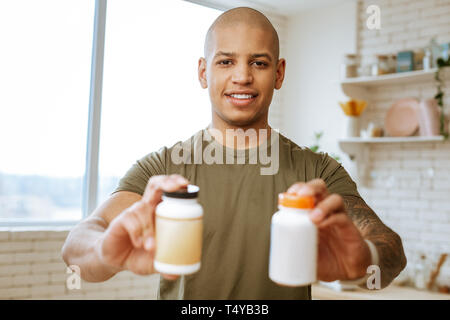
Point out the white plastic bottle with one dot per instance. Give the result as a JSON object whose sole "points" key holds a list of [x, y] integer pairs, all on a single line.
{"points": [[293, 242], [178, 232]]}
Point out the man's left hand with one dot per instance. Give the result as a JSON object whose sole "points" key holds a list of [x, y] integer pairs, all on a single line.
{"points": [[343, 253]]}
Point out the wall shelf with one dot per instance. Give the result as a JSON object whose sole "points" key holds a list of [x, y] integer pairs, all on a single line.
{"points": [[392, 139], [358, 149], [358, 88], [393, 78]]}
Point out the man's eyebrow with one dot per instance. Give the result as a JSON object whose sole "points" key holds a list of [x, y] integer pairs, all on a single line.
{"points": [[222, 53], [253, 56], [261, 55]]}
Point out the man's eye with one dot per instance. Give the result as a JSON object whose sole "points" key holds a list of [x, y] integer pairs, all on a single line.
{"points": [[260, 63], [225, 62]]}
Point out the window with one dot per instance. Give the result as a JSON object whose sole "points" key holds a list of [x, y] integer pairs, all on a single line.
{"points": [[151, 96], [45, 60], [151, 93]]}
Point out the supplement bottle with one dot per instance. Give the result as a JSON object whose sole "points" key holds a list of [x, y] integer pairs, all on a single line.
{"points": [[178, 232], [293, 242]]}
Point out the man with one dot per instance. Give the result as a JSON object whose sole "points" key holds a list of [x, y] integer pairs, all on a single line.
{"points": [[241, 68]]}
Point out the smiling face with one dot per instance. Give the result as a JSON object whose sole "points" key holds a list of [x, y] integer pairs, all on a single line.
{"points": [[241, 70]]}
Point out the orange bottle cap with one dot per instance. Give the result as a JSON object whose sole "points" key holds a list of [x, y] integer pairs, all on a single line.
{"points": [[292, 200]]}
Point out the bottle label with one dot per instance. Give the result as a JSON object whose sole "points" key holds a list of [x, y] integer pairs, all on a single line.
{"points": [[178, 242]]}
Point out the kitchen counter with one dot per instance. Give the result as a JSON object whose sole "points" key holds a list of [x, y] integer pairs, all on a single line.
{"points": [[392, 292]]}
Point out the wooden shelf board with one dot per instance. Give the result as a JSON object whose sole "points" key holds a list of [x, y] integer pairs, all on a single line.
{"points": [[392, 78], [392, 139]]}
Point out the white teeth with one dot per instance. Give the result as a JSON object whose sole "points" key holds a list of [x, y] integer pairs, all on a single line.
{"points": [[242, 96]]}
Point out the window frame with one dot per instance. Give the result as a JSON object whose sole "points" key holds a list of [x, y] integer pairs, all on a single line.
{"points": [[90, 186]]}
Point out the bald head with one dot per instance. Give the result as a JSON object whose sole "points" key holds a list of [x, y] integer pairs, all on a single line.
{"points": [[246, 16]]}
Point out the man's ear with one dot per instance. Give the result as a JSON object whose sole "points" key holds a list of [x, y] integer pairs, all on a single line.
{"points": [[281, 67], [202, 73]]}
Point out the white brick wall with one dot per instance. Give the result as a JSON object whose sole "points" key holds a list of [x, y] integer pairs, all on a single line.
{"points": [[31, 267], [409, 184]]}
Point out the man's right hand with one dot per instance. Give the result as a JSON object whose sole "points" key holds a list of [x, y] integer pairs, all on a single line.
{"points": [[128, 243]]}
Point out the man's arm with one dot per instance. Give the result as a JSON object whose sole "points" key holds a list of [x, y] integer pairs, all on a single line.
{"points": [[82, 244], [388, 243]]}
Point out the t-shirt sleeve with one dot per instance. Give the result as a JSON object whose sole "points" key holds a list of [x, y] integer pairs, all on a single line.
{"points": [[336, 177], [136, 178]]}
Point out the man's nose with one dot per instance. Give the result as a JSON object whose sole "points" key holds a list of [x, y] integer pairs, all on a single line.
{"points": [[242, 74]]}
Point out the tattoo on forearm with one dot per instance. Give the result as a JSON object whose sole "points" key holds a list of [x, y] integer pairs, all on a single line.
{"points": [[388, 243]]}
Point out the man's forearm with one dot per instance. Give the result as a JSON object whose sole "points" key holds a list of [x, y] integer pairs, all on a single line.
{"points": [[82, 249], [389, 245]]}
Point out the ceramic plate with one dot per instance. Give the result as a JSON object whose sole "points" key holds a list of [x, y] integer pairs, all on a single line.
{"points": [[401, 118]]}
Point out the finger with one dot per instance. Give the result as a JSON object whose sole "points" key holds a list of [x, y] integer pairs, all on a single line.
{"points": [[133, 227], [149, 243], [296, 187], [157, 184], [140, 262], [169, 276], [331, 204], [316, 188], [339, 219], [137, 221], [142, 212]]}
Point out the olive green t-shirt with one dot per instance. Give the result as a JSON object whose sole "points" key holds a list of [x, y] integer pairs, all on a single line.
{"points": [[238, 202]]}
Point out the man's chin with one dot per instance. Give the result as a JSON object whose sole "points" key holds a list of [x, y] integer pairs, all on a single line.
{"points": [[241, 121], [240, 118]]}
